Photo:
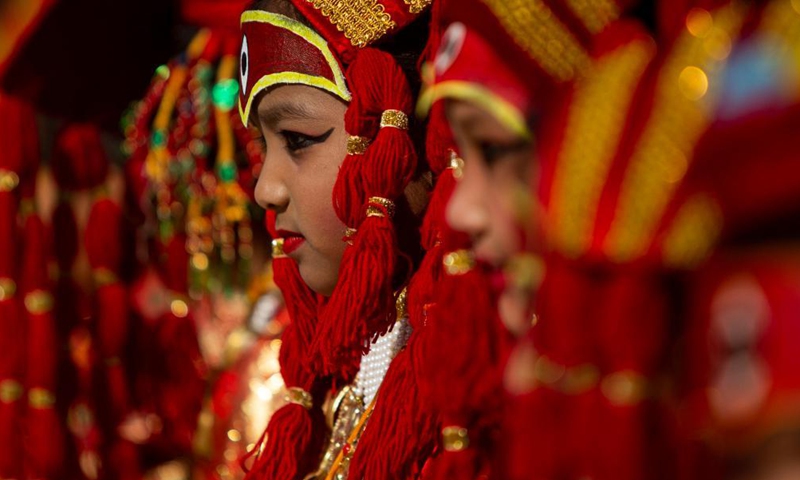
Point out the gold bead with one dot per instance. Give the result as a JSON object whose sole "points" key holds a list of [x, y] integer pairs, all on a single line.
{"points": [[277, 248], [458, 262], [357, 145], [455, 439], [394, 118]]}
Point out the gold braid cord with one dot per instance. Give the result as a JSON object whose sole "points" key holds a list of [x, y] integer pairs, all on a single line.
{"points": [[534, 28], [361, 21]]}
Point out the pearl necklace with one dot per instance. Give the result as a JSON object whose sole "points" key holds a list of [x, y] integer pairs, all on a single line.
{"points": [[375, 363]]}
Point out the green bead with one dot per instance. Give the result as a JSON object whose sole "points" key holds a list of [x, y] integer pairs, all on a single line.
{"points": [[224, 94], [227, 171], [163, 71], [159, 138]]}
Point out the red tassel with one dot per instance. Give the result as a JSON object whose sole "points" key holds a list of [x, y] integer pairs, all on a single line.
{"points": [[79, 161], [466, 347], [295, 435], [45, 437], [103, 246], [402, 430], [12, 335], [362, 305]]}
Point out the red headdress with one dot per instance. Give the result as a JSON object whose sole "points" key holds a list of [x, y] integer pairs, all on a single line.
{"points": [[627, 201], [325, 342], [496, 56]]}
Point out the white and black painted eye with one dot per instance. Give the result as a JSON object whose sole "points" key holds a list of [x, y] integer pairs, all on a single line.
{"points": [[244, 63], [452, 41]]}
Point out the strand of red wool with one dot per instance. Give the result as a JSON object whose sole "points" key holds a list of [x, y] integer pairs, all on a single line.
{"points": [[362, 305], [402, 431], [12, 330], [293, 440], [295, 435], [45, 437], [466, 346], [13, 115]]}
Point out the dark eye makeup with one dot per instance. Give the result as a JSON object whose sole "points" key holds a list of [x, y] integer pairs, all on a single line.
{"points": [[296, 141], [492, 151]]}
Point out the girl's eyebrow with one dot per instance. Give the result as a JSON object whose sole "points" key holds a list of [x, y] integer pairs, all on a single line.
{"points": [[286, 110]]}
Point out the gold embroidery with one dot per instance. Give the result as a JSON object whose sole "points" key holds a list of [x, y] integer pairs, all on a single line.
{"points": [[664, 150], [536, 30], [693, 232], [590, 145], [361, 21], [416, 6], [595, 14]]}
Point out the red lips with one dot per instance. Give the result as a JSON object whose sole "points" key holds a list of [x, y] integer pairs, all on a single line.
{"points": [[291, 240]]}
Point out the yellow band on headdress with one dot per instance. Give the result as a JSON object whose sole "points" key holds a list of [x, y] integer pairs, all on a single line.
{"points": [[260, 68], [506, 113]]}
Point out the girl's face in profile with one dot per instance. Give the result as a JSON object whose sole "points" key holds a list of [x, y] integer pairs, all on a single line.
{"points": [[492, 199], [305, 143]]}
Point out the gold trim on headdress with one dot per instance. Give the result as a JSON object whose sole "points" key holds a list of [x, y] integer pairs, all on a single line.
{"points": [[693, 232], [590, 146], [416, 6], [595, 14], [663, 153], [534, 27], [361, 21]]}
